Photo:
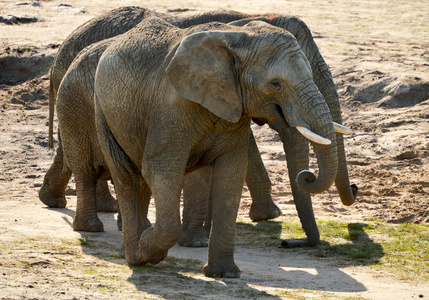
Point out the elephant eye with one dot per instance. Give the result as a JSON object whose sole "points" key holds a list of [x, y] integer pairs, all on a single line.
{"points": [[276, 84]]}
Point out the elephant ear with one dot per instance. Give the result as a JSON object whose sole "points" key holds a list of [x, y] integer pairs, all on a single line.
{"points": [[202, 70]]}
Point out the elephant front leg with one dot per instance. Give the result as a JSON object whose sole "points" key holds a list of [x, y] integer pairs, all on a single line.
{"points": [[227, 185], [157, 240]]}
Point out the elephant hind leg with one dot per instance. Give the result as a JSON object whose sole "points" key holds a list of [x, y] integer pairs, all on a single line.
{"points": [[86, 218], [105, 200], [133, 199], [52, 192], [196, 194], [266, 210], [259, 184]]}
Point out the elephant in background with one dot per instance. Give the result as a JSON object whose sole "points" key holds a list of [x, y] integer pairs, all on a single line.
{"points": [[82, 154], [169, 101], [123, 19]]}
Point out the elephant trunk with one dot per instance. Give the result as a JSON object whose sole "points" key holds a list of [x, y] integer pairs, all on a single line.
{"points": [[346, 191], [328, 164], [323, 79], [317, 115]]}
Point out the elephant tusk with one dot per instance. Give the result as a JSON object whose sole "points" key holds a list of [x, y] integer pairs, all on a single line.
{"points": [[312, 136], [342, 129], [346, 110]]}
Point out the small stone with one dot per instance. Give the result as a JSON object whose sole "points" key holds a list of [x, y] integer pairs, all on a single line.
{"points": [[401, 89]]}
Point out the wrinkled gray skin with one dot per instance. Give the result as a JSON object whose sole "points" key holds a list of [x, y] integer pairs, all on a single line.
{"points": [[82, 154], [170, 100], [122, 19], [118, 21]]}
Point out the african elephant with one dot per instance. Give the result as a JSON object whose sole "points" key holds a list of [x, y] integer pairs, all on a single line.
{"points": [[82, 154], [121, 20], [115, 22], [169, 101], [295, 146]]}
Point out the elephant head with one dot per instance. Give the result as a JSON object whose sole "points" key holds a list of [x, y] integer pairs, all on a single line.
{"points": [[323, 80], [264, 74]]}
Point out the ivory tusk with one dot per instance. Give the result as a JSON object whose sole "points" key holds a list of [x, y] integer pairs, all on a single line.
{"points": [[312, 136], [346, 110], [342, 129]]}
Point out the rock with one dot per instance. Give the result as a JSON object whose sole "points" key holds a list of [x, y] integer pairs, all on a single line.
{"points": [[71, 8], [401, 89], [10, 19]]}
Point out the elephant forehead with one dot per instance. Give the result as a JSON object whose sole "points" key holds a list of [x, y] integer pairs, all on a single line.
{"points": [[293, 67]]}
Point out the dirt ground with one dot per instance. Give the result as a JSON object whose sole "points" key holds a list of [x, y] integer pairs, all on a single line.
{"points": [[378, 52]]}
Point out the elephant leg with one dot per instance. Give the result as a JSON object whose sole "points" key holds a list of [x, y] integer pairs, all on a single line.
{"points": [[225, 199], [155, 241], [86, 218], [297, 155], [52, 192], [133, 193], [105, 201], [133, 199], [259, 184], [196, 194]]}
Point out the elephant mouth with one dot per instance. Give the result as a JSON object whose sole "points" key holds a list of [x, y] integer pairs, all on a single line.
{"points": [[281, 116], [302, 128]]}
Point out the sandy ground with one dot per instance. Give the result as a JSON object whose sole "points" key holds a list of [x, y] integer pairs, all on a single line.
{"points": [[378, 53]]}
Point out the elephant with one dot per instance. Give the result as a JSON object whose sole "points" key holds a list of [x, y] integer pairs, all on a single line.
{"points": [[52, 191], [82, 154], [169, 101], [117, 21]]}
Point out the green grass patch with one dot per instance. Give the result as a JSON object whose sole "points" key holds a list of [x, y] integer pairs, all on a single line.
{"points": [[399, 249]]}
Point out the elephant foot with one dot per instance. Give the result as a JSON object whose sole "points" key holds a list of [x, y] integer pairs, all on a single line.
{"points": [[194, 238], [50, 199], [107, 204], [224, 270], [149, 251], [264, 211], [87, 224], [297, 243]]}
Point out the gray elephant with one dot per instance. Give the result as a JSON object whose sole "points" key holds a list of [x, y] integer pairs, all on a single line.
{"points": [[82, 154], [52, 192], [170, 100], [115, 22]]}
